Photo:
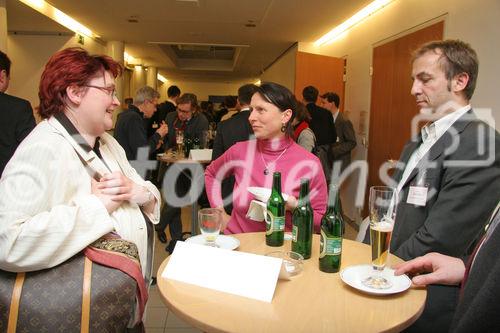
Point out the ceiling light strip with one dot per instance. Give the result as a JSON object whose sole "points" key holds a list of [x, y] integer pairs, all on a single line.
{"points": [[352, 21], [161, 78], [60, 17]]}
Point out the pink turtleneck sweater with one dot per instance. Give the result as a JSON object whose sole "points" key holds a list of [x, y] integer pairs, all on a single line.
{"points": [[247, 161]]}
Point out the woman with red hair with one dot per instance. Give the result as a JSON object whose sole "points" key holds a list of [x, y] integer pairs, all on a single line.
{"points": [[69, 182]]}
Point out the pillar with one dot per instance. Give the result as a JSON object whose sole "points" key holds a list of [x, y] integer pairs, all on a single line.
{"points": [[3, 26], [152, 77]]}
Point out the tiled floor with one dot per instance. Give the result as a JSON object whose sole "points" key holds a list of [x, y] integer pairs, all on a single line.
{"points": [[158, 318]]}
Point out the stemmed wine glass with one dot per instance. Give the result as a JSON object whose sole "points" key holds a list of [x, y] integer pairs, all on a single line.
{"points": [[210, 221], [382, 202]]}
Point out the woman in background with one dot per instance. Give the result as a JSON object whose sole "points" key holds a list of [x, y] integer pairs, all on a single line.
{"points": [[302, 134]]}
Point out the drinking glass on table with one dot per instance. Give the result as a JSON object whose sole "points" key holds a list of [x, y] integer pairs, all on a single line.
{"points": [[210, 221], [382, 202], [179, 140]]}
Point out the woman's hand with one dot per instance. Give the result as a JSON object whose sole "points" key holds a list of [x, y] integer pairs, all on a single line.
{"points": [[225, 218], [106, 199], [117, 185], [291, 203], [121, 188]]}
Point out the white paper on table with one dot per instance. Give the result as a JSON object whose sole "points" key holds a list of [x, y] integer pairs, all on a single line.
{"points": [[257, 211], [200, 154], [239, 273]]}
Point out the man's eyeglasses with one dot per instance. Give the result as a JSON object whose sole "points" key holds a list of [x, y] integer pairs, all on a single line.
{"points": [[184, 111], [110, 91]]}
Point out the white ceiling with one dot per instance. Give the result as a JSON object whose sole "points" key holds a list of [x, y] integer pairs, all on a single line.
{"points": [[278, 25]]}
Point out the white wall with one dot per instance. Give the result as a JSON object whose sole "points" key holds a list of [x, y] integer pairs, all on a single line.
{"points": [[283, 70], [29, 54], [473, 21], [202, 89]]}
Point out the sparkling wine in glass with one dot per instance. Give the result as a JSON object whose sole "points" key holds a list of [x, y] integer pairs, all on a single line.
{"points": [[382, 202], [210, 221]]}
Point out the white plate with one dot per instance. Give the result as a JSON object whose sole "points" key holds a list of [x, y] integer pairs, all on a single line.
{"points": [[353, 276], [263, 194], [224, 241]]}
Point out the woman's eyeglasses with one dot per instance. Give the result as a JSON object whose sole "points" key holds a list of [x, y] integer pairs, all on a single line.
{"points": [[110, 91]]}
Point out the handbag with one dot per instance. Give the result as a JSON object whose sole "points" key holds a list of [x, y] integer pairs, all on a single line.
{"points": [[101, 289]]}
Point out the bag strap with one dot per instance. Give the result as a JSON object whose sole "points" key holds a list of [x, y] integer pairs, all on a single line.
{"points": [[87, 279], [14, 302]]}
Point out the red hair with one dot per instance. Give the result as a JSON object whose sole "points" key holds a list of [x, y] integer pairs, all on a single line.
{"points": [[71, 66]]}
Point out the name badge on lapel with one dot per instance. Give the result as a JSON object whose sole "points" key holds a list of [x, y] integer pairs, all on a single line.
{"points": [[417, 195]]}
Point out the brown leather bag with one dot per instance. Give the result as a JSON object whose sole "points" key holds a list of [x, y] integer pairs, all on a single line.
{"points": [[53, 300], [76, 296]]}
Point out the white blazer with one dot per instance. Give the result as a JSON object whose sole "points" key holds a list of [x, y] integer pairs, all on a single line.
{"points": [[47, 211]]}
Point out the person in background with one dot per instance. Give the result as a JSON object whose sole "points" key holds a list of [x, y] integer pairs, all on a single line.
{"points": [[323, 127], [346, 139], [231, 103], [478, 275], [449, 173], [16, 116], [69, 182], [193, 124], [152, 124], [127, 101], [129, 130], [253, 162], [235, 129], [302, 134]]}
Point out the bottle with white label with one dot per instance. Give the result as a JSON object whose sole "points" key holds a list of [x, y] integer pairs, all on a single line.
{"points": [[275, 215], [330, 252]]}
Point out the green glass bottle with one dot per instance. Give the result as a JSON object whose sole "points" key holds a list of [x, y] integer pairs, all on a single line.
{"points": [[330, 252], [275, 216], [302, 222]]}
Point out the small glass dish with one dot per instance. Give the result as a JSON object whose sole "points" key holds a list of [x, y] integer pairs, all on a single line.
{"points": [[293, 262]]}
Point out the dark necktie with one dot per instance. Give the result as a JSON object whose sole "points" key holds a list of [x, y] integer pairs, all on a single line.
{"points": [[489, 231]]}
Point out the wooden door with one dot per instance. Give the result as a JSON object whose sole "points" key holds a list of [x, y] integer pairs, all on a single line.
{"points": [[392, 106], [323, 72]]}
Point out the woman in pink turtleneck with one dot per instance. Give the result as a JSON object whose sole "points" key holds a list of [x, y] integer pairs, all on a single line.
{"points": [[253, 162]]}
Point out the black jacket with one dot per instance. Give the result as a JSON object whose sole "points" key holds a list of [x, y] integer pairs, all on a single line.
{"points": [[322, 125], [131, 133], [235, 129], [16, 122]]}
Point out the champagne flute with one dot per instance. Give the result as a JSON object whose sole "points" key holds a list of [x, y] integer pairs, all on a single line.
{"points": [[382, 201], [210, 221]]}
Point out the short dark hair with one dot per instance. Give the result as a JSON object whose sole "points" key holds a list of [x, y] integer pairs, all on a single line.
{"points": [[188, 98], [5, 63], [280, 97], [245, 93], [310, 94], [230, 101], [173, 91], [332, 97], [456, 57]]}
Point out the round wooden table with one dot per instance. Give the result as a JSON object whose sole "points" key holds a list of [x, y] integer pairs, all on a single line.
{"points": [[312, 301]]}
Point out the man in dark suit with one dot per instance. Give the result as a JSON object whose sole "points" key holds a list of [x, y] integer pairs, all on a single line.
{"points": [[170, 105], [16, 116], [321, 120], [346, 139], [479, 276], [235, 129], [129, 130], [323, 127], [448, 177]]}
